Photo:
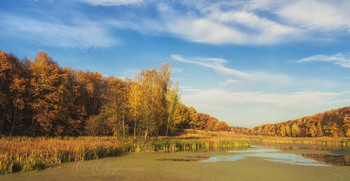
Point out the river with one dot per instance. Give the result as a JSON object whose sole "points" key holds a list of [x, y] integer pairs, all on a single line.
{"points": [[260, 162]]}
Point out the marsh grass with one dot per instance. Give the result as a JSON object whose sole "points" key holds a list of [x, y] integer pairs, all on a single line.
{"points": [[326, 141], [28, 154]]}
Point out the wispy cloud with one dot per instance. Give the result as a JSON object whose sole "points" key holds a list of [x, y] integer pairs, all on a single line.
{"points": [[316, 15], [241, 22], [256, 22], [232, 26], [218, 66], [339, 59], [111, 2], [83, 33], [224, 97]]}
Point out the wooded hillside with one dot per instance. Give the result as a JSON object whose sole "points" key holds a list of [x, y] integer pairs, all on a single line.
{"points": [[334, 123]]}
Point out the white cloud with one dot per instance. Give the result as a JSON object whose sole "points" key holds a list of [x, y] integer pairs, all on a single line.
{"points": [[78, 34], [340, 59], [241, 22], [222, 98], [218, 60], [219, 67], [320, 15], [111, 2], [256, 22], [229, 28]]}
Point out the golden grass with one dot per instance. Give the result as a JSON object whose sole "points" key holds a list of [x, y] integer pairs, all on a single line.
{"points": [[25, 154], [327, 141]]}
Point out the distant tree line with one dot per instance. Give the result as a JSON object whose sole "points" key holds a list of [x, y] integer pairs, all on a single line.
{"points": [[39, 97], [334, 123]]}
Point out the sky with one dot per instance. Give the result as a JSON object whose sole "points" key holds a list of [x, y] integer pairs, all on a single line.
{"points": [[246, 62]]}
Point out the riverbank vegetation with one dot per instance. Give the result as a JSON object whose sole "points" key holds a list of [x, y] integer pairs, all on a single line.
{"points": [[26, 153], [325, 141]]}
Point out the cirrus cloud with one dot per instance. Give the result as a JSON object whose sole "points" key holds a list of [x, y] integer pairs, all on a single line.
{"points": [[340, 59]]}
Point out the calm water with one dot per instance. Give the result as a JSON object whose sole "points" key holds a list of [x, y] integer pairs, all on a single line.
{"points": [[278, 155], [329, 156], [260, 162]]}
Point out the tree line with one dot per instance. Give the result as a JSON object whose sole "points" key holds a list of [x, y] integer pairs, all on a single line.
{"points": [[39, 97], [333, 123]]}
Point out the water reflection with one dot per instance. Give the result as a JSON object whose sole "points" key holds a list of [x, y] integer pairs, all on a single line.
{"points": [[186, 159], [315, 147], [337, 160], [275, 153], [337, 157]]}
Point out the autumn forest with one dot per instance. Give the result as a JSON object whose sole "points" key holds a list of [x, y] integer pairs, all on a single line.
{"points": [[334, 123], [51, 115], [40, 98]]}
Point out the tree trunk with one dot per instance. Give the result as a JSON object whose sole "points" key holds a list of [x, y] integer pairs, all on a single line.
{"points": [[123, 125], [135, 130], [167, 128], [13, 122]]}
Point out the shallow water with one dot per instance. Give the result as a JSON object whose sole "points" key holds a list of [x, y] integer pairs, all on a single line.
{"points": [[273, 155], [260, 162]]}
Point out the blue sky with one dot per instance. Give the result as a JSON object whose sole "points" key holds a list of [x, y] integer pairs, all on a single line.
{"points": [[246, 62]]}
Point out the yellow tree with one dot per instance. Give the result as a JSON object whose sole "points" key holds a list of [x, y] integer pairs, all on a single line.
{"points": [[283, 130], [154, 86], [47, 105], [295, 130], [134, 102], [333, 129], [193, 118], [288, 131], [113, 106], [172, 101], [346, 125], [91, 87], [13, 92], [181, 116], [319, 132], [211, 122], [164, 84], [221, 126]]}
